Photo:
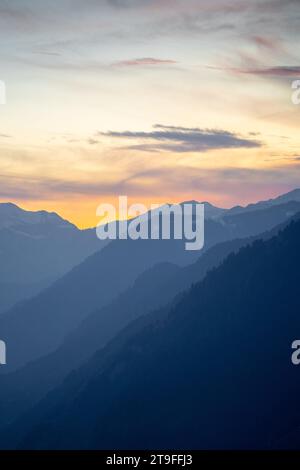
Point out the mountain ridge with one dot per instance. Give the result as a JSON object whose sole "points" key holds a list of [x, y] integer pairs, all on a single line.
{"points": [[170, 385]]}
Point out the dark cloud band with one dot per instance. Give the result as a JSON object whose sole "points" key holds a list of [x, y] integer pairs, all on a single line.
{"points": [[181, 139]]}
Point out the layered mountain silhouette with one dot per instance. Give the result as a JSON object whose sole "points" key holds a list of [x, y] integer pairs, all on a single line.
{"points": [[37, 248], [38, 326], [12, 292], [212, 371], [157, 287], [282, 199], [128, 284]]}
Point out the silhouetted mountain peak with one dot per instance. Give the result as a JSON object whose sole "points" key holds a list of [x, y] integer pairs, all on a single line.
{"points": [[291, 196], [12, 216], [210, 211], [192, 201], [40, 245]]}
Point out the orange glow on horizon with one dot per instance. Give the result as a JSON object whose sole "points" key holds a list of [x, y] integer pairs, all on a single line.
{"points": [[81, 211]]}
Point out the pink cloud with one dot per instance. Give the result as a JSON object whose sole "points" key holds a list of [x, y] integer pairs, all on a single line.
{"points": [[144, 61]]}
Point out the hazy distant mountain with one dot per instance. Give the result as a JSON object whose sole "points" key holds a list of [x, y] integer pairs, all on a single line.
{"points": [[210, 211], [12, 293], [154, 288], [38, 326], [21, 389], [36, 247], [34, 224], [215, 372], [284, 198], [259, 219]]}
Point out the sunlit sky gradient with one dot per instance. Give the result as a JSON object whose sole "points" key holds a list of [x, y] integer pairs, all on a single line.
{"points": [[160, 100]]}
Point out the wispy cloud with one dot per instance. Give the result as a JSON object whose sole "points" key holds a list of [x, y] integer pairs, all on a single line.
{"points": [[234, 183], [183, 139], [47, 53], [139, 3], [144, 61], [267, 43], [276, 71]]}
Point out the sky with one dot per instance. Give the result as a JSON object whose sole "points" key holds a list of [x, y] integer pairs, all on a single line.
{"points": [[159, 100]]}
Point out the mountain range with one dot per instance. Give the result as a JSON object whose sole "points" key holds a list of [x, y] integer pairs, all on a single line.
{"points": [[37, 248], [38, 326], [212, 370], [88, 320], [154, 289]]}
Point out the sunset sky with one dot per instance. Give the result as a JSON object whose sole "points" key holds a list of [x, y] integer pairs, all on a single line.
{"points": [[160, 100]]}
